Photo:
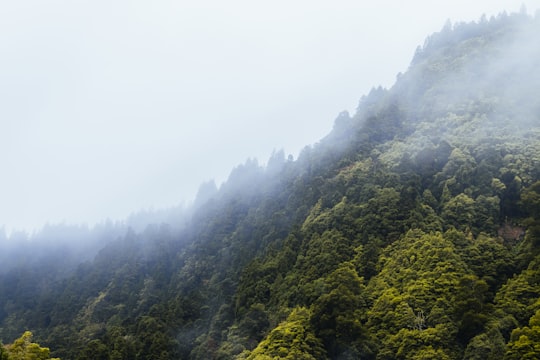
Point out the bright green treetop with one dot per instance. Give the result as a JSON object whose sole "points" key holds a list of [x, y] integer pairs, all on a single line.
{"points": [[24, 349]]}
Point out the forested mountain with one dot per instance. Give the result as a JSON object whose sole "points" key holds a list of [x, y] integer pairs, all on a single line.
{"points": [[411, 231]]}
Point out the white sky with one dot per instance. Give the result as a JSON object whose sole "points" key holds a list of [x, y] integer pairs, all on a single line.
{"points": [[108, 107]]}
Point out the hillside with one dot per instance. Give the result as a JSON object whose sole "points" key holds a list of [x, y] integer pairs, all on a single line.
{"points": [[411, 231]]}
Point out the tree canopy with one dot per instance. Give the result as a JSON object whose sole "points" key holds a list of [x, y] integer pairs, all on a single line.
{"points": [[411, 231]]}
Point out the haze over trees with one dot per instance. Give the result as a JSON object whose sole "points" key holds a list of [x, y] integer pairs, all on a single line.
{"points": [[411, 231]]}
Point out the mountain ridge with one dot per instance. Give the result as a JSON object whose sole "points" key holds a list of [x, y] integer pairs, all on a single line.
{"points": [[380, 241]]}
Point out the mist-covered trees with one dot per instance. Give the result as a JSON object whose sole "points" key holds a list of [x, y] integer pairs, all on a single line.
{"points": [[410, 232]]}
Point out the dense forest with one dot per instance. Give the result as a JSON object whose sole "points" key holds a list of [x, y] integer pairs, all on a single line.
{"points": [[411, 231]]}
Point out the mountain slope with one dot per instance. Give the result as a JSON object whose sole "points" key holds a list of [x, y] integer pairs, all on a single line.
{"points": [[411, 231]]}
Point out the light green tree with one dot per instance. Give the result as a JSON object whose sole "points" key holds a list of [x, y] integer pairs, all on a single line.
{"points": [[292, 339], [24, 349], [525, 342], [3, 352]]}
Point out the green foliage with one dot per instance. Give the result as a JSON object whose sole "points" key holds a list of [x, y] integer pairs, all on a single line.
{"points": [[519, 296], [530, 199], [292, 339], [424, 285], [485, 346], [339, 313], [416, 344], [525, 342], [410, 232], [459, 211], [487, 257], [3, 353], [24, 349]]}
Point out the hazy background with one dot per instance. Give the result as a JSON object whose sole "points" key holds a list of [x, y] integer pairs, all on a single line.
{"points": [[107, 107]]}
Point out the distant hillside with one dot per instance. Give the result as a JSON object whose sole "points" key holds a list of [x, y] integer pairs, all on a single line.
{"points": [[411, 231]]}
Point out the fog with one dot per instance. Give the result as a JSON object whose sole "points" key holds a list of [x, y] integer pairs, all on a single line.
{"points": [[110, 108]]}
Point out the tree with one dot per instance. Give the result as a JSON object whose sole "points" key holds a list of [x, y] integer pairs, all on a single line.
{"points": [[459, 212], [525, 342], [3, 352], [339, 313], [530, 198], [489, 345], [422, 296], [292, 339], [24, 349], [94, 350]]}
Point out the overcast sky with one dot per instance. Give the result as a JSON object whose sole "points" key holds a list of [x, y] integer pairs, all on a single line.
{"points": [[109, 107]]}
